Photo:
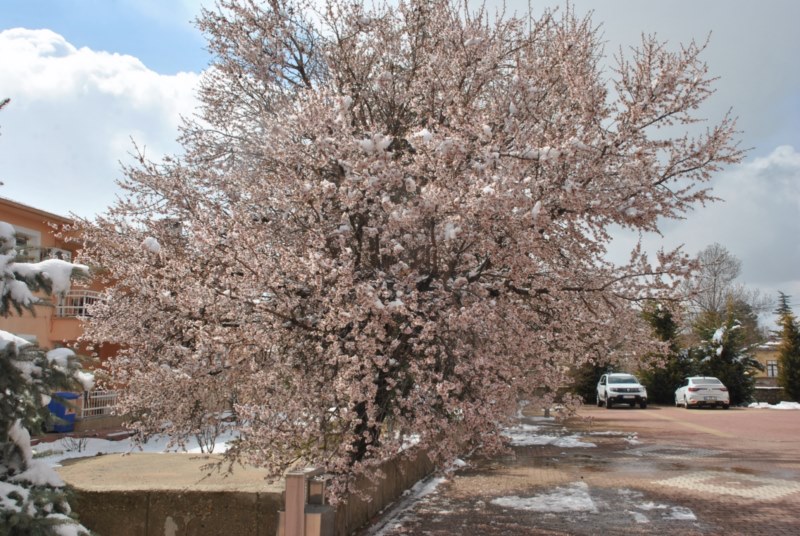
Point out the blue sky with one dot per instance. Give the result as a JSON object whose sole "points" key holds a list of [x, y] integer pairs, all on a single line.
{"points": [[160, 33], [86, 77]]}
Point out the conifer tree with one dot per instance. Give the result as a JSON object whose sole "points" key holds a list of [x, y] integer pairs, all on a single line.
{"points": [[667, 369], [789, 349], [33, 500], [724, 355]]}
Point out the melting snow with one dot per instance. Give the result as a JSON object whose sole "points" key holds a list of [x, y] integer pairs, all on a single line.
{"points": [[524, 435], [572, 498], [680, 513]]}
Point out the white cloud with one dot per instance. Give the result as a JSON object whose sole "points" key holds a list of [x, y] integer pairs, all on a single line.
{"points": [[758, 220], [71, 117]]}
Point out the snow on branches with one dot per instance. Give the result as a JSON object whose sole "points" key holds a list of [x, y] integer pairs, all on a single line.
{"points": [[32, 498], [394, 221]]}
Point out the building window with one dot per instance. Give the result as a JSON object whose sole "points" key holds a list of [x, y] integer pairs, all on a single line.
{"points": [[772, 369], [27, 245]]}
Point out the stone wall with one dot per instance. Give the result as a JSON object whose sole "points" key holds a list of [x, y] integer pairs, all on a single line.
{"points": [[770, 395]]}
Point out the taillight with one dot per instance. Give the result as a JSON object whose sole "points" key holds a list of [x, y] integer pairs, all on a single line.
{"points": [[723, 389], [693, 389]]}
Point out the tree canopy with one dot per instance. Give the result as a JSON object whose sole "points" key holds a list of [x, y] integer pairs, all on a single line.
{"points": [[391, 222]]}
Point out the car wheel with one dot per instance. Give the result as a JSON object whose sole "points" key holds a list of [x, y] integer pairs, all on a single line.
{"points": [[725, 406], [608, 403], [677, 404], [643, 405], [599, 402], [686, 404]]}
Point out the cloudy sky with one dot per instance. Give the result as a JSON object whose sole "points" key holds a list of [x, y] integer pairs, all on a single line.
{"points": [[88, 76]]}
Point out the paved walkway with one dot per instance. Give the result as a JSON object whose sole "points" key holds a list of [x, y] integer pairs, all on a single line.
{"points": [[661, 470]]}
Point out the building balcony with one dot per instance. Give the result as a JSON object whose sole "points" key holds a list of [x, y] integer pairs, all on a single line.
{"points": [[75, 304]]}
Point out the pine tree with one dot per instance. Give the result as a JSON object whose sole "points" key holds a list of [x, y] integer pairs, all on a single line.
{"points": [[666, 370], [789, 349], [725, 355], [33, 500]]}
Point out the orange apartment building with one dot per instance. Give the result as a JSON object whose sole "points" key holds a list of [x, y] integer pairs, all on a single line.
{"points": [[59, 323]]}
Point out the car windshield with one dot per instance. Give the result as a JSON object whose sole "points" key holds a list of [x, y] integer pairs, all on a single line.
{"points": [[706, 381], [622, 379]]}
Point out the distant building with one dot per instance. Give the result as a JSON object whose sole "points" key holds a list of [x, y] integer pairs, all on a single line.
{"points": [[767, 389]]}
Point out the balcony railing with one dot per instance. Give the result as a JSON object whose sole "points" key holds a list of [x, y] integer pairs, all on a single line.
{"points": [[98, 403], [76, 303]]}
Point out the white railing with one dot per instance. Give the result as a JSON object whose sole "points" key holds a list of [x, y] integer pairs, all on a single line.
{"points": [[98, 403], [76, 303]]}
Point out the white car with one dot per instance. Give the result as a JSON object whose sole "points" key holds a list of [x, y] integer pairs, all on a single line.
{"points": [[702, 391], [619, 388]]}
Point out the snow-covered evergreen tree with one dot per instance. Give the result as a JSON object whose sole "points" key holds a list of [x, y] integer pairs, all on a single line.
{"points": [[724, 355], [33, 500]]}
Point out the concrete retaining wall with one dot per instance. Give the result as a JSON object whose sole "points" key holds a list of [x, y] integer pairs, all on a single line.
{"points": [[155, 502], [177, 513]]}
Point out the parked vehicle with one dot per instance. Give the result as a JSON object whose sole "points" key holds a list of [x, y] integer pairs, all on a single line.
{"points": [[620, 388], [702, 391]]}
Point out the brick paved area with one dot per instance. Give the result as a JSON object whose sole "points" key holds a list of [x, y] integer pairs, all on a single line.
{"points": [[656, 471]]}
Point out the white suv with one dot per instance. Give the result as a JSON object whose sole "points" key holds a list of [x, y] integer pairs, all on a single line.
{"points": [[620, 388]]}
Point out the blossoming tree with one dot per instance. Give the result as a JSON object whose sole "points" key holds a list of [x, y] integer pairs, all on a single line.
{"points": [[394, 221]]}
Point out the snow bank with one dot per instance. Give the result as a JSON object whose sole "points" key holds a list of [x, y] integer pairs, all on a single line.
{"points": [[779, 405]]}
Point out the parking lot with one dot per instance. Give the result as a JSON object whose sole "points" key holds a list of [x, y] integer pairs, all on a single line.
{"points": [[622, 470]]}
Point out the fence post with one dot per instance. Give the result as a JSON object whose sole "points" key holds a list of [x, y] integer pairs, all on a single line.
{"points": [[305, 512]]}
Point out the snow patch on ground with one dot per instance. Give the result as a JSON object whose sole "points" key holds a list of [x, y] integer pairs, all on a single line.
{"points": [[639, 517], [779, 405], [54, 453], [680, 513], [401, 512], [525, 435], [572, 498]]}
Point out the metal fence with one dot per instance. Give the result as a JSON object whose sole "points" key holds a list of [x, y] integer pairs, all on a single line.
{"points": [[98, 403]]}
